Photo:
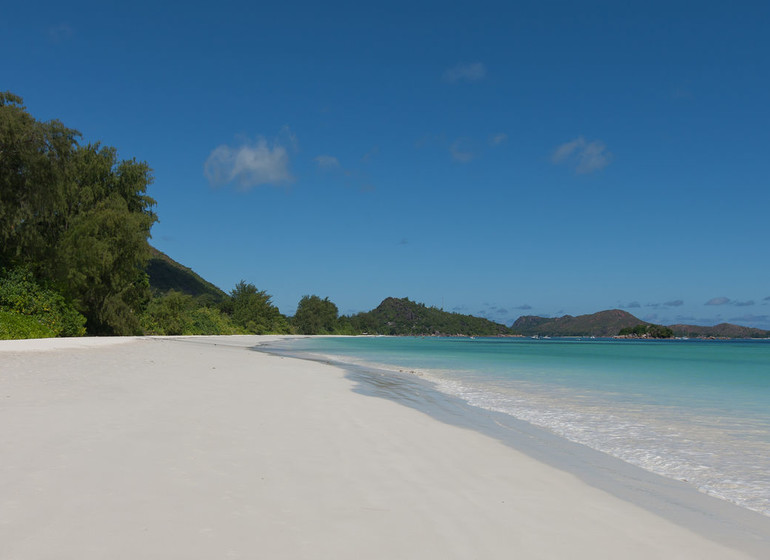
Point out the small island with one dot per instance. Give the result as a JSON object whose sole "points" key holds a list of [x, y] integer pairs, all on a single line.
{"points": [[646, 331]]}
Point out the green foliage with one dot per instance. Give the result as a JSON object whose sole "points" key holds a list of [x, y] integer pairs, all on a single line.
{"points": [[15, 326], [175, 313], [647, 331], [253, 310], [316, 316], [659, 331], [101, 259], [404, 317], [167, 274], [76, 216], [345, 327], [168, 314], [603, 323], [21, 295], [33, 161], [722, 330], [210, 320]]}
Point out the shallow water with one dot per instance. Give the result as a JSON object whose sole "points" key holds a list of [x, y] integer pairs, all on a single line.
{"points": [[697, 411]]}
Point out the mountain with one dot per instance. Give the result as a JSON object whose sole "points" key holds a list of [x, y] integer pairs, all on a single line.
{"points": [[603, 323], [609, 323], [167, 274], [723, 330], [400, 316]]}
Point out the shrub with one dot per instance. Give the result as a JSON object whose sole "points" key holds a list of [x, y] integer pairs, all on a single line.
{"points": [[175, 313], [208, 320], [15, 326], [21, 295]]}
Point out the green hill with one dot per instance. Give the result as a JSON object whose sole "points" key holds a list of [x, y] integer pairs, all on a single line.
{"points": [[400, 316], [723, 330], [167, 274], [603, 323], [611, 322]]}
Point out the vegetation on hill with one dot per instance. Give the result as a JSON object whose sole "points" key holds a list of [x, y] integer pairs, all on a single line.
{"points": [[621, 323], [603, 323], [646, 331], [723, 330], [166, 274], [400, 316]]}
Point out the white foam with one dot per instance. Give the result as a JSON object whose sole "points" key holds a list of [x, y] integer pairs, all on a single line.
{"points": [[691, 449]]}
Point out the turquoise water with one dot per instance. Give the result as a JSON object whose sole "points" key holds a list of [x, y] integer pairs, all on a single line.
{"points": [[697, 411]]}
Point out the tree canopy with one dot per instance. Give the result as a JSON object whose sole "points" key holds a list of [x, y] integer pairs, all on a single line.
{"points": [[400, 316], [647, 331], [316, 316], [77, 217], [253, 310]]}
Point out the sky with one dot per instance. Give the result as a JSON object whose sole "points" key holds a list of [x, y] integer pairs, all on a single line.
{"points": [[492, 158]]}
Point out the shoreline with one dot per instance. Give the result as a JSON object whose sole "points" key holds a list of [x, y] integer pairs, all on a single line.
{"points": [[675, 500], [199, 447]]}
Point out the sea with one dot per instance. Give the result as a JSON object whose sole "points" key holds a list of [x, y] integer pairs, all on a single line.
{"points": [[692, 410]]}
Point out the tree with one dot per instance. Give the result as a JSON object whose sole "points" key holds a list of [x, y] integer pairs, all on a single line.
{"points": [[647, 331], [316, 316], [33, 160], [253, 310], [102, 250], [75, 216], [168, 314]]}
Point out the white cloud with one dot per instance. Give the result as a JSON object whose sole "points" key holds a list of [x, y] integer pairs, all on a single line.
{"points": [[249, 165], [326, 161], [718, 301], [461, 151], [466, 73], [584, 156], [497, 139]]}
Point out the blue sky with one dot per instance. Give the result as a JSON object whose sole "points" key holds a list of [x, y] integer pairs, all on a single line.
{"points": [[493, 158]]}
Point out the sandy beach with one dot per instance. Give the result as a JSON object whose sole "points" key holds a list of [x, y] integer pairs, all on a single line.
{"points": [[199, 447]]}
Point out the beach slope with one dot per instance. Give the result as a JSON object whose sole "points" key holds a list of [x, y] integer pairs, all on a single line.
{"points": [[199, 447]]}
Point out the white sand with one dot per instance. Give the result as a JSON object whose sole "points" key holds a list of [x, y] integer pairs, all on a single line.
{"points": [[180, 448]]}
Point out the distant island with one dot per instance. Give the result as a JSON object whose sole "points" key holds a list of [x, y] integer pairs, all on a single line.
{"points": [[400, 316], [616, 322]]}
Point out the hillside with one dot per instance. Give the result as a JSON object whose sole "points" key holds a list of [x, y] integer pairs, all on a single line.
{"points": [[400, 316], [167, 274], [603, 323], [610, 323], [723, 330]]}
